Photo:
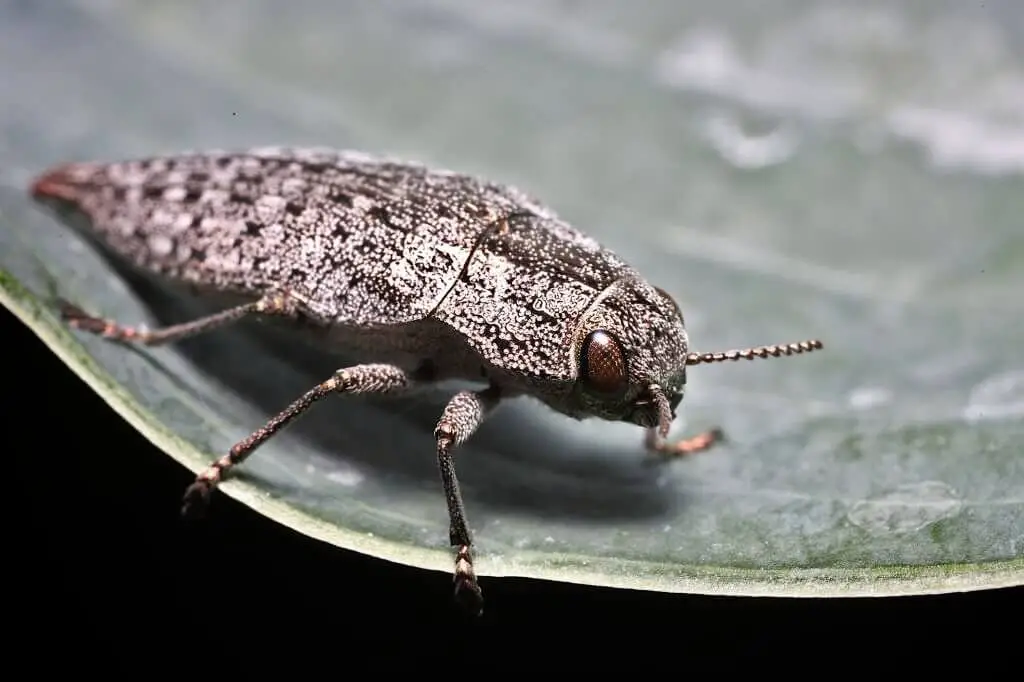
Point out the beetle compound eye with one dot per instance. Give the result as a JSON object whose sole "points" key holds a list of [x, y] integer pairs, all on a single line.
{"points": [[603, 364]]}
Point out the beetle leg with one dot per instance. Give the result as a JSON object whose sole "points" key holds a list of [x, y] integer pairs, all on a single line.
{"points": [[365, 379], [273, 305], [462, 416], [687, 446]]}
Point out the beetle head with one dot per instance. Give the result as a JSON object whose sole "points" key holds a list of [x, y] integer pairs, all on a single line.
{"points": [[631, 351]]}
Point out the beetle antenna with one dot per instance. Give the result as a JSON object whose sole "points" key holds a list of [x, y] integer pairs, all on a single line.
{"points": [[752, 353]]}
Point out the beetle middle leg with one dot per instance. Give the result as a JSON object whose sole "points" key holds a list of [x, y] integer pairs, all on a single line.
{"points": [[462, 416], [376, 379], [653, 442], [277, 304]]}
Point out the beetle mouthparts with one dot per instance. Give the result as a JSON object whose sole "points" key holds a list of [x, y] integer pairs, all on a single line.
{"points": [[664, 408]]}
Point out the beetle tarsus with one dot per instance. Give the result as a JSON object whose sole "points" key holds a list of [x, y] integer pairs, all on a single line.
{"points": [[77, 318], [687, 446], [197, 499], [467, 589]]}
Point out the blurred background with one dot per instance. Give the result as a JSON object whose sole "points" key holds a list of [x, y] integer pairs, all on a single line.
{"points": [[788, 168]]}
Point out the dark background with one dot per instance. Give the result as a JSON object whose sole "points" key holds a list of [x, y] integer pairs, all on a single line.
{"points": [[106, 571]]}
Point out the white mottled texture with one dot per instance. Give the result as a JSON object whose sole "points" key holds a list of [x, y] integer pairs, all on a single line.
{"points": [[396, 262]]}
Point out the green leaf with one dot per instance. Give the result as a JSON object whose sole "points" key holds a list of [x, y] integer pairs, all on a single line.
{"points": [[834, 504], [889, 463]]}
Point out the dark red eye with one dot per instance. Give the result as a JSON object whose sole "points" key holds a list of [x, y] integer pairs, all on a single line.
{"points": [[603, 364]]}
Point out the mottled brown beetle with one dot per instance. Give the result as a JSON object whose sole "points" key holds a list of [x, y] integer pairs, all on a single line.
{"points": [[419, 275]]}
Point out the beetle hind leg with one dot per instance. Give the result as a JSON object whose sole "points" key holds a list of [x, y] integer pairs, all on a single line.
{"points": [[271, 305]]}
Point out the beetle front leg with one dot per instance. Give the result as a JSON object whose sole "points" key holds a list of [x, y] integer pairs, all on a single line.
{"points": [[462, 416], [653, 442]]}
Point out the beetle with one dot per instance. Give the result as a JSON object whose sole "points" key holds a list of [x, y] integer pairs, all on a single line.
{"points": [[417, 274]]}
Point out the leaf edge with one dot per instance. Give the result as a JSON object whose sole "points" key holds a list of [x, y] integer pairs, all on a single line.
{"points": [[881, 581]]}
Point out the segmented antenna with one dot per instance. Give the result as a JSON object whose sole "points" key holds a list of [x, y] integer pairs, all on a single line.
{"points": [[752, 353]]}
